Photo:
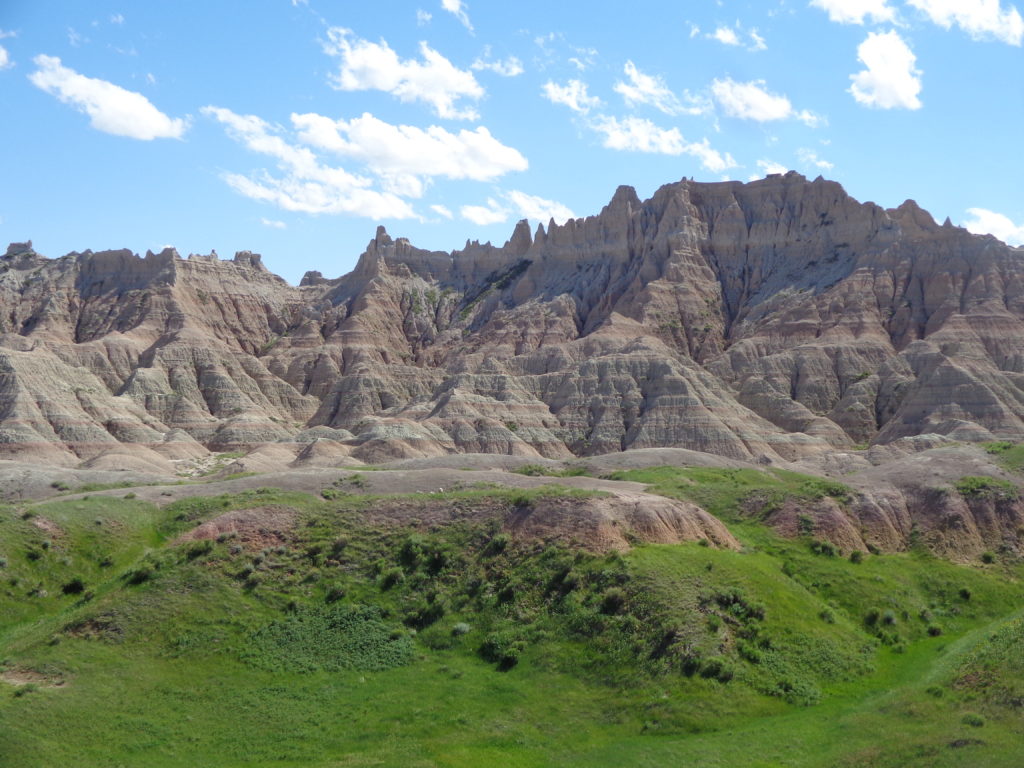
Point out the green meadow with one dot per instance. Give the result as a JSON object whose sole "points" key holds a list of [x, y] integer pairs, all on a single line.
{"points": [[349, 644]]}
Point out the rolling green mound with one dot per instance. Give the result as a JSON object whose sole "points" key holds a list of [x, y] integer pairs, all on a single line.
{"points": [[274, 628]]}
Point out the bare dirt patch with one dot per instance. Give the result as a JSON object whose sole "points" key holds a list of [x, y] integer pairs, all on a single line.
{"points": [[47, 526], [22, 676], [254, 528]]}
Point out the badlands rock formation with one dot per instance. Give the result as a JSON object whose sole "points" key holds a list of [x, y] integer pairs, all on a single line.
{"points": [[775, 320]]}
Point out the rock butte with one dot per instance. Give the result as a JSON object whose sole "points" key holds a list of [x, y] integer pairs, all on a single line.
{"points": [[775, 320]]}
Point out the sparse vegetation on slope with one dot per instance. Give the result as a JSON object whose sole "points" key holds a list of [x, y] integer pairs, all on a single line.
{"points": [[448, 642]]}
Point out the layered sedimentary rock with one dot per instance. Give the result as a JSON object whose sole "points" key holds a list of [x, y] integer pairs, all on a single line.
{"points": [[772, 320]]}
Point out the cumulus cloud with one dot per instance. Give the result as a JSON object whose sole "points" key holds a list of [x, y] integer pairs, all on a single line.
{"points": [[981, 19], [432, 79], [857, 11], [273, 223], [766, 168], [117, 19], [5, 59], [753, 101], [442, 210], [510, 67], [515, 202], [810, 158], [732, 36], [572, 95], [305, 184], [538, 208], [634, 134], [890, 80], [110, 108], [423, 17], [647, 89], [725, 36], [458, 10], [985, 222], [404, 155], [485, 215]]}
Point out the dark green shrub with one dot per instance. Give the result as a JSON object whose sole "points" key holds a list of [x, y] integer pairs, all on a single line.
{"points": [[973, 719], [856, 557], [934, 630], [140, 575], [74, 587], [391, 577], [965, 594], [613, 601]]}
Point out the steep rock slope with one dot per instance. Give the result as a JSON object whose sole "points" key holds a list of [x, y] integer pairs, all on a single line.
{"points": [[775, 319]]}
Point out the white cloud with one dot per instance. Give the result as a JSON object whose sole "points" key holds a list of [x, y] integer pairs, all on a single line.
{"points": [[514, 201], [7, 33], [694, 30], [306, 185], [856, 11], [647, 89], [890, 81], [5, 59], [510, 67], [403, 155], [584, 59], [273, 223], [572, 95], [725, 36], [986, 222], [484, 215], [753, 101], [110, 108], [539, 209], [423, 17], [767, 167], [442, 210], [117, 18], [757, 43], [375, 66], [458, 10], [981, 19], [810, 158], [634, 134]]}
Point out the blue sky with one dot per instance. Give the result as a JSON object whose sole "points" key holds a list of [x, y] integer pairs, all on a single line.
{"points": [[293, 127]]}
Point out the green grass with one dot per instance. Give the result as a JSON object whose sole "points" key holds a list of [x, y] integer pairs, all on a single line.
{"points": [[457, 646]]}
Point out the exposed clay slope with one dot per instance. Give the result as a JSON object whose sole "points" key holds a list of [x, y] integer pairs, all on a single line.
{"points": [[764, 321]]}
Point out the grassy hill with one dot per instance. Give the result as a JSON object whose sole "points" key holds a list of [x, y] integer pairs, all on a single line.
{"points": [[314, 639]]}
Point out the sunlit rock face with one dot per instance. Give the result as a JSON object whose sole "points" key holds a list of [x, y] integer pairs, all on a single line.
{"points": [[772, 320]]}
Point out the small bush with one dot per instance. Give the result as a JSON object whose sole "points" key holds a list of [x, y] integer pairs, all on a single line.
{"points": [[717, 667], [391, 577], [74, 587], [988, 557], [613, 601], [827, 616], [973, 719], [934, 630], [498, 544], [462, 628], [140, 575], [334, 594], [856, 557], [824, 548], [965, 594]]}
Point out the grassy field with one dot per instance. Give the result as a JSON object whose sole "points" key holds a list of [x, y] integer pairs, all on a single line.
{"points": [[456, 646]]}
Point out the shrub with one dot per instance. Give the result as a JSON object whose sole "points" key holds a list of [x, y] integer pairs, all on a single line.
{"points": [[140, 575], [934, 630], [973, 719], [965, 594], [856, 557], [74, 587], [824, 548], [334, 594], [613, 601], [391, 577], [498, 544], [827, 616], [503, 648], [462, 628], [717, 667], [988, 557]]}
